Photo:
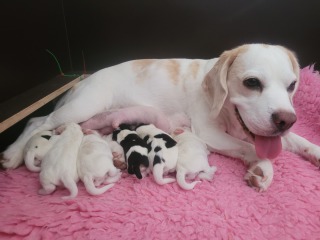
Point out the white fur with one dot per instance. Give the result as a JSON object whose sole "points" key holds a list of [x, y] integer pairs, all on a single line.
{"points": [[59, 166], [168, 156], [206, 90], [35, 150], [192, 159], [95, 165]]}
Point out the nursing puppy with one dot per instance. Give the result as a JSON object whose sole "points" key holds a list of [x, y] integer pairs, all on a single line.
{"points": [[107, 121], [59, 166], [163, 154], [36, 148], [192, 159], [135, 149], [119, 160], [95, 166]]}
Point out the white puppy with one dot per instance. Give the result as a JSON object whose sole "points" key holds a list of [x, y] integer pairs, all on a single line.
{"points": [[36, 148], [192, 159], [163, 155], [59, 166], [95, 166]]}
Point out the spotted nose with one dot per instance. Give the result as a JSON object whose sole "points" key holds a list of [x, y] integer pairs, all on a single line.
{"points": [[283, 120]]}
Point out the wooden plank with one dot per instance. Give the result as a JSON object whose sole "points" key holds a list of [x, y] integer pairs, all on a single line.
{"points": [[13, 110]]}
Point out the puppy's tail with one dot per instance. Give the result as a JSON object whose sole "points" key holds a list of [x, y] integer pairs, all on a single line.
{"points": [[29, 161], [91, 188], [158, 175], [181, 179], [71, 185]]}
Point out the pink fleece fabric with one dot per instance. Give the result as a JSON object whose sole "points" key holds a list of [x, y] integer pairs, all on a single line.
{"points": [[225, 208]]}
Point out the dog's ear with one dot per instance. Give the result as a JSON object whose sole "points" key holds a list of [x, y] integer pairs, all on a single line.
{"points": [[295, 66], [215, 82]]}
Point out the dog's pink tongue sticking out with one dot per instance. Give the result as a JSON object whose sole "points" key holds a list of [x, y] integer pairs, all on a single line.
{"points": [[267, 147]]}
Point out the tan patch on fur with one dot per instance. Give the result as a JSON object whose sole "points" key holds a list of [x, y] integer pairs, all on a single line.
{"points": [[194, 68], [215, 82], [173, 69], [140, 66], [294, 62], [265, 45], [120, 165], [258, 171]]}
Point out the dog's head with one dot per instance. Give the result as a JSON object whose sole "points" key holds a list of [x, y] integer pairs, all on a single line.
{"points": [[259, 81]]}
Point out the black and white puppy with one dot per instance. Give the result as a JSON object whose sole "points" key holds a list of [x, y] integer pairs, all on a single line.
{"points": [[135, 149], [163, 155]]}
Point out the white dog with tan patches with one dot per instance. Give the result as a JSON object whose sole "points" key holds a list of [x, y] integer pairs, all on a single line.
{"points": [[240, 104], [95, 165], [192, 159], [59, 166]]}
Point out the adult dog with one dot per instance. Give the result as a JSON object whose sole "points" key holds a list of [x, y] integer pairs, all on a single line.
{"points": [[240, 104]]}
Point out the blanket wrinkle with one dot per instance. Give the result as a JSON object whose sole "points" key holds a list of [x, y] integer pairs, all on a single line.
{"points": [[225, 208]]}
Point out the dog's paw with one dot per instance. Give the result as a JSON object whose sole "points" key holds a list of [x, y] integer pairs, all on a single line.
{"points": [[260, 175], [11, 158], [314, 155]]}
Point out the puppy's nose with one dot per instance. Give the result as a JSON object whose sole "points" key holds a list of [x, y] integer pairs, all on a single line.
{"points": [[283, 120]]}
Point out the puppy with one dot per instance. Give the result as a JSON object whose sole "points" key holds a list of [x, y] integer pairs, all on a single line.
{"points": [[117, 152], [95, 165], [59, 166], [36, 148], [135, 149], [192, 159], [109, 120], [163, 154]]}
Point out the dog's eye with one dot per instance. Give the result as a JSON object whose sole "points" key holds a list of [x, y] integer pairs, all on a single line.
{"points": [[253, 83], [292, 86]]}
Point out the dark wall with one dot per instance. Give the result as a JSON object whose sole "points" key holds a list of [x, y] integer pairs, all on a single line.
{"points": [[110, 32]]}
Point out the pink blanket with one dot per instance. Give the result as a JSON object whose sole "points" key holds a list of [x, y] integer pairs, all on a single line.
{"points": [[140, 209]]}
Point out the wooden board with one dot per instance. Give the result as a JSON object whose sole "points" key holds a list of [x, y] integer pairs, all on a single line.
{"points": [[17, 108]]}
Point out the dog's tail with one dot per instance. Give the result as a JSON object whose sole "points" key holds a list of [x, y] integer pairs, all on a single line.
{"points": [[181, 179], [158, 174], [91, 188], [29, 161], [70, 184]]}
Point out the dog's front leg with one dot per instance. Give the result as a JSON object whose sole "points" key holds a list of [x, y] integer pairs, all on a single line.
{"points": [[260, 172], [301, 146], [16, 150]]}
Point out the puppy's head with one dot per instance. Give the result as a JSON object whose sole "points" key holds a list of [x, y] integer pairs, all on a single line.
{"points": [[259, 82]]}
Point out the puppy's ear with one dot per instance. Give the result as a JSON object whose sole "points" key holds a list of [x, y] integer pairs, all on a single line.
{"points": [[215, 82]]}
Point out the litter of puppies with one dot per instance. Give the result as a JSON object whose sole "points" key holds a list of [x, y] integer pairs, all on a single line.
{"points": [[70, 153]]}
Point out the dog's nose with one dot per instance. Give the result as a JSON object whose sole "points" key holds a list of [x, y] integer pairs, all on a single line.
{"points": [[283, 120]]}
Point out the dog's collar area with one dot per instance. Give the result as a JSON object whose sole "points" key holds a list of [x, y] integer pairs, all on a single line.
{"points": [[245, 128]]}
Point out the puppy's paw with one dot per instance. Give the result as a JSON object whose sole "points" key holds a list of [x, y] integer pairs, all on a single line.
{"points": [[208, 174], [260, 175]]}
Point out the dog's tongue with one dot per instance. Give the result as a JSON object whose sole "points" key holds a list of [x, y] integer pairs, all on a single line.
{"points": [[267, 147]]}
